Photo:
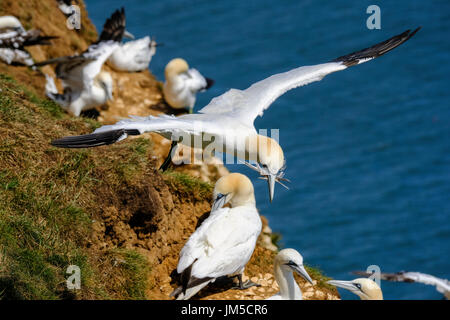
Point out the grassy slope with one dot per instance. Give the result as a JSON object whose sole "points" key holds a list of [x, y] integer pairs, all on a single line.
{"points": [[53, 201], [46, 203]]}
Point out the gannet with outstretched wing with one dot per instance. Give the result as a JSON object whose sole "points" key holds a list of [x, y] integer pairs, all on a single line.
{"points": [[286, 262], [182, 84], [442, 285], [364, 288], [85, 87], [14, 38], [224, 242], [228, 119]]}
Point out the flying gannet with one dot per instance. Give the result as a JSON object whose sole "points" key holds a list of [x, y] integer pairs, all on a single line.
{"points": [[224, 242], [14, 38], [364, 288], [442, 285], [182, 84], [286, 262], [228, 120], [85, 86]]}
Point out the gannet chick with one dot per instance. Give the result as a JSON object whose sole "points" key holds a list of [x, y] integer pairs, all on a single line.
{"points": [[224, 242], [182, 84], [133, 56], [14, 38], [85, 86], [364, 288], [228, 120], [286, 262]]}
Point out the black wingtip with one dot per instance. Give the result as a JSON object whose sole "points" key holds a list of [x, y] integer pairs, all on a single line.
{"points": [[93, 139], [209, 83], [376, 50], [114, 27]]}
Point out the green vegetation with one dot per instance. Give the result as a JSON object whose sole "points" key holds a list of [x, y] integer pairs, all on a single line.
{"points": [[48, 202], [188, 184]]}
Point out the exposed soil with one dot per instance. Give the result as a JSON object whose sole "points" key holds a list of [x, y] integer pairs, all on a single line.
{"points": [[146, 211]]}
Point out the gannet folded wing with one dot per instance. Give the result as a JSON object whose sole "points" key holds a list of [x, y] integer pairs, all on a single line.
{"points": [[195, 81], [221, 246], [250, 103]]}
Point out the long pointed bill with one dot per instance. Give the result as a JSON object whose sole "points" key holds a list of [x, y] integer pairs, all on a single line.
{"points": [[271, 179], [219, 202], [348, 285], [302, 272], [128, 35]]}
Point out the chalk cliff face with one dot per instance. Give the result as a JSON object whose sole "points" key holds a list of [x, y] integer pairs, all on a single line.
{"points": [[107, 210]]}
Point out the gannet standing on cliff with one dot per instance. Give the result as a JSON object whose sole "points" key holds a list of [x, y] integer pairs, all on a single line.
{"points": [[228, 120], [442, 285], [182, 84], [364, 288], [224, 242], [286, 262], [85, 86], [14, 38]]}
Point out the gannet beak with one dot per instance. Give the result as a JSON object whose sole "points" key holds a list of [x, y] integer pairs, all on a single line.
{"points": [[301, 271], [348, 285], [128, 35], [271, 179], [219, 202]]}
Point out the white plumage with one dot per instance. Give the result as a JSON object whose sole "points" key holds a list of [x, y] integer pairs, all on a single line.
{"points": [[14, 38], [286, 262], [182, 84], [133, 56], [85, 86], [228, 120], [225, 241]]}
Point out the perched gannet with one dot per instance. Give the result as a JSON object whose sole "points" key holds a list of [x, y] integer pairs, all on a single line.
{"points": [[286, 262], [182, 84], [442, 285], [364, 288], [14, 38], [224, 242], [133, 56], [228, 120], [85, 87]]}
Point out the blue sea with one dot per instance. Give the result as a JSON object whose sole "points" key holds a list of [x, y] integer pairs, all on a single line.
{"points": [[367, 149]]}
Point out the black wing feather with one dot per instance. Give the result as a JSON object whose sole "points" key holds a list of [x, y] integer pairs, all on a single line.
{"points": [[376, 50], [114, 27], [93, 139]]}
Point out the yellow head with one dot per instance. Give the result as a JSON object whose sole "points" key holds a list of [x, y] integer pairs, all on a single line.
{"points": [[175, 67], [270, 157], [364, 288], [235, 189]]}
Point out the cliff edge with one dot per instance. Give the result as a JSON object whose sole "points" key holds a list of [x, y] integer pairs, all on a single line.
{"points": [[107, 210]]}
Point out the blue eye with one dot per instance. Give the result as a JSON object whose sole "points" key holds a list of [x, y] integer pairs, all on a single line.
{"points": [[357, 285]]}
